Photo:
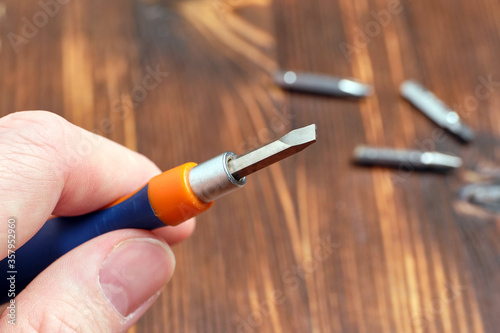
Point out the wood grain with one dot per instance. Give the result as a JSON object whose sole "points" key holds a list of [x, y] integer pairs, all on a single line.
{"points": [[313, 244]]}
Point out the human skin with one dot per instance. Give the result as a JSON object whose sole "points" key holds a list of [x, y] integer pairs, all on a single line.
{"points": [[49, 166]]}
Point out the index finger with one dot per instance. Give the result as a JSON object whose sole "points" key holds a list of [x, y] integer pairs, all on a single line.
{"points": [[50, 166]]}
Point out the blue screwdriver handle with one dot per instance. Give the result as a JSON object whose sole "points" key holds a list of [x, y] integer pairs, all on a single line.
{"points": [[62, 234], [167, 199]]}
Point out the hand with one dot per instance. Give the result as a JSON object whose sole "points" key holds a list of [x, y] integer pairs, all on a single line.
{"points": [[49, 166]]}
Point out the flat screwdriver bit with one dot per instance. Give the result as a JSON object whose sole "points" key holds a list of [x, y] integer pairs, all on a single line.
{"points": [[485, 195], [321, 84], [259, 158], [411, 159], [435, 109]]}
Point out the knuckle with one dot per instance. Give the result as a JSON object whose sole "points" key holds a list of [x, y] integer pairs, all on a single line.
{"points": [[41, 129], [31, 141]]}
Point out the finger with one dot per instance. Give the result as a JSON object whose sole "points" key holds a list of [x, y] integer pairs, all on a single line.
{"points": [[105, 285], [174, 235], [50, 166]]}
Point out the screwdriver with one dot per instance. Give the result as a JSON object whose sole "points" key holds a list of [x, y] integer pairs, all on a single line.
{"points": [[170, 198]]}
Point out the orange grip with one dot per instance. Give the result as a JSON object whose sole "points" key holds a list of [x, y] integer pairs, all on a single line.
{"points": [[171, 197]]}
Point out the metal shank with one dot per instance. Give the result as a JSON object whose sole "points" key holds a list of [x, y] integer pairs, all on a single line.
{"points": [[211, 179]]}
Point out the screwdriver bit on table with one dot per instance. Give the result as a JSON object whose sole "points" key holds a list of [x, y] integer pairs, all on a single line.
{"points": [[435, 109], [321, 84], [415, 159]]}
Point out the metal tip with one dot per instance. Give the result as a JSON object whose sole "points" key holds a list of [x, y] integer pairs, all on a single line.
{"points": [[440, 160], [355, 88], [462, 131], [435, 109], [407, 87], [289, 144]]}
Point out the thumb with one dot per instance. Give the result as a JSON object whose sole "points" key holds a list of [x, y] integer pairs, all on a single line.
{"points": [[104, 285]]}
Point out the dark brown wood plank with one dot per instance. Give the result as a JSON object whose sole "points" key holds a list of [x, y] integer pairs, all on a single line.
{"points": [[313, 244]]}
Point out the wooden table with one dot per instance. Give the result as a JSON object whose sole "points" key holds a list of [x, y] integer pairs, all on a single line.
{"points": [[313, 244]]}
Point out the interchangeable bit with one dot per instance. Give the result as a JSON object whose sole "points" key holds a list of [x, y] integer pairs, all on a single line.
{"points": [[321, 84], [259, 158], [435, 109], [411, 159], [483, 195]]}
